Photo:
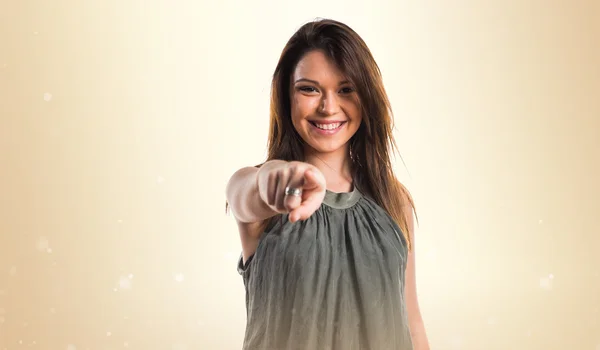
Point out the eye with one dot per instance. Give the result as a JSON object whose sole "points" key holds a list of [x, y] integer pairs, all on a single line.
{"points": [[347, 90], [307, 89]]}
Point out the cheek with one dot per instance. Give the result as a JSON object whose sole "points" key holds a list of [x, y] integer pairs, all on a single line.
{"points": [[297, 114], [302, 106], [296, 111], [353, 110]]}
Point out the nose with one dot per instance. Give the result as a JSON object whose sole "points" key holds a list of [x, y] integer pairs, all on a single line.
{"points": [[329, 104]]}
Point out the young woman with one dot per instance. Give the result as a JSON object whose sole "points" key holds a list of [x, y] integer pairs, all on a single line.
{"points": [[326, 228]]}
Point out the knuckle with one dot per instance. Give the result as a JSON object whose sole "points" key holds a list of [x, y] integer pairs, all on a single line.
{"points": [[283, 209], [272, 178], [293, 171], [271, 198]]}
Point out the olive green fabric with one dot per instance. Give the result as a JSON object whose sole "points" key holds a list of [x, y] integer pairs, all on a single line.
{"points": [[334, 281]]}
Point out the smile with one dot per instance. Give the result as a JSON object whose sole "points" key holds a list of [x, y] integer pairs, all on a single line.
{"points": [[327, 129]]}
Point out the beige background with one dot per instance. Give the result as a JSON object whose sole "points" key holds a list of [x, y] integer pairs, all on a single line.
{"points": [[121, 122]]}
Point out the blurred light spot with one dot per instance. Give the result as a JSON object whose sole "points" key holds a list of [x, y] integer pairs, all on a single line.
{"points": [[130, 276], [160, 179], [546, 283], [36, 33], [49, 250], [2, 319], [126, 344], [47, 97], [108, 334], [125, 283], [12, 271], [42, 244], [71, 347], [179, 277], [540, 221], [491, 321], [52, 310], [120, 221]]}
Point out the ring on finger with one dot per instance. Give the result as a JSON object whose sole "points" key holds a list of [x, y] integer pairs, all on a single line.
{"points": [[293, 191]]}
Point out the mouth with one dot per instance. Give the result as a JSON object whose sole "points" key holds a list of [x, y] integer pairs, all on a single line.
{"points": [[327, 126]]}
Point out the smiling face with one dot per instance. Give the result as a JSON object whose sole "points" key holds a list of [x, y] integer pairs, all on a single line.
{"points": [[325, 107]]}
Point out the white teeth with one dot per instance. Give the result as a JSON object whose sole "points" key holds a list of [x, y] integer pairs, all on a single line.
{"points": [[328, 126]]}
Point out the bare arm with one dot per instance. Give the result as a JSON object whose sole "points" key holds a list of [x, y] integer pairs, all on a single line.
{"points": [[248, 208], [417, 327], [255, 194]]}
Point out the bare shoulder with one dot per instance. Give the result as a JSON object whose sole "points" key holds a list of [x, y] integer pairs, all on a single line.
{"points": [[408, 210], [406, 198]]}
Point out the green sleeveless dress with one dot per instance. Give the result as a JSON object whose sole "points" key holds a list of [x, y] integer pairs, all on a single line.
{"points": [[334, 281]]}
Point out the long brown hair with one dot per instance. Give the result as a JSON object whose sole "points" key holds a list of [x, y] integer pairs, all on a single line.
{"points": [[373, 143]]}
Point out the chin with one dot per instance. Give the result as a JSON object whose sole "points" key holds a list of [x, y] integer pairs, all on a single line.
{"points": [[321, 147]]}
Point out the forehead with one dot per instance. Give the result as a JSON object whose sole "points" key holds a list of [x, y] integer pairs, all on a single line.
{"points": [[316, 65]]}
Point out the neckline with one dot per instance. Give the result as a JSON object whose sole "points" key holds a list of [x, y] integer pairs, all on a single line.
{"points": [[342, 200]]}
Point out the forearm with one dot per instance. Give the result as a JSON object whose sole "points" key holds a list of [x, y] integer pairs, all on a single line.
{"points": [[244, 198], [419, 336]]}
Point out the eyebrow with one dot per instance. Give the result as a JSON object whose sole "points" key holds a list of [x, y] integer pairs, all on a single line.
{"points": [[316, 82]]}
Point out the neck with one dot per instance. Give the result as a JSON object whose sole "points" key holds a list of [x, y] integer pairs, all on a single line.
{"points": [[335, 166]]}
